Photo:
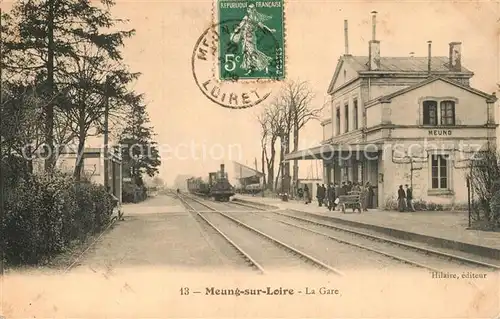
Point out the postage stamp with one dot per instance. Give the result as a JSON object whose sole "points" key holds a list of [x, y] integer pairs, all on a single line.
{"points": [[231, 93], [251, 40]]}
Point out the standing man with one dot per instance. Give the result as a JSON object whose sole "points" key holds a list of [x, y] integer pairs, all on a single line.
{"points": [[409, 199], [343, 189], [401, 199], [348, 187], [307, 194], [365, 196], [300, 192], [370, 195], [331, 197], [320, 194], [325, 195]]}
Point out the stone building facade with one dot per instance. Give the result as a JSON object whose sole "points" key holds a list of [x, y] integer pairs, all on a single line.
{"points": [[404, 120]]}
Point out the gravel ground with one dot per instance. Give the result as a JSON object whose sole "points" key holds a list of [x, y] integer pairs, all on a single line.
{"points": [[340, 256], [154, 239], [270, 256]]}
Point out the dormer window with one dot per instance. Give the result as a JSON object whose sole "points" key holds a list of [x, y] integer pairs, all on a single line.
{"points": [[442, 113]]}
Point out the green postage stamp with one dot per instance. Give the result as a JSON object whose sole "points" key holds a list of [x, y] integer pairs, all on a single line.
{"points": [[251, 40]]}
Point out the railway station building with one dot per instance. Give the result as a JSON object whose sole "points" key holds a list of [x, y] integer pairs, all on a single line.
{"points": [[404, 120]]}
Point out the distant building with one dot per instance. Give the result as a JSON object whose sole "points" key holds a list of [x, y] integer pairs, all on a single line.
{"points": [[93, 166], [245, 175], [180, 181], [404, 120]]}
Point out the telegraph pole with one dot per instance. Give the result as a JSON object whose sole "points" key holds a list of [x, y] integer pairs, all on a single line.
{"points": [[106, 134]]}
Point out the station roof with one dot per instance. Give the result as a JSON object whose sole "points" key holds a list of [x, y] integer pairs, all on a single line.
{"points": [[243, 171], [330, 151]]}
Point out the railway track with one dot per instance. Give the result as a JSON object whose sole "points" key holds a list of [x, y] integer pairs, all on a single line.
{"points": [[271, 249], [404, 252], [200, 218]]}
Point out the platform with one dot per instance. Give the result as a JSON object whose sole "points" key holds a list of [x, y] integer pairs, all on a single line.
{"points": [[440, 229], [154, 205]]}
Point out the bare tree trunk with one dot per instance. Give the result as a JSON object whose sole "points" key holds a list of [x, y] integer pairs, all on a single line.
{"points": [[81, 146], [270, 177], [285, 172], [296, 130], [49, 107], [77, 173], [277, 177], [285, 186], [263, 168], [270, 167]]}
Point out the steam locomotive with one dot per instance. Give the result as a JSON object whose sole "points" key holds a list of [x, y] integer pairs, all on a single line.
{"points": [[217, 187]]}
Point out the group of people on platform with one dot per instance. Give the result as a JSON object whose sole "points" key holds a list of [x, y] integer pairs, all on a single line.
{"points": [[405, 199], [328, 196]]}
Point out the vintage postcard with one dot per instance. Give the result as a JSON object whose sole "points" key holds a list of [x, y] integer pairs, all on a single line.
{"points": [[249, 159]]}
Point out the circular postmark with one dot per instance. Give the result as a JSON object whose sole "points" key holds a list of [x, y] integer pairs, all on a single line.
{"points": [[230, 74]]}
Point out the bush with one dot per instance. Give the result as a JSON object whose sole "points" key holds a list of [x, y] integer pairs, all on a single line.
{"points": [[44, 215], [391, 203], [133, 193], [495, 209]]}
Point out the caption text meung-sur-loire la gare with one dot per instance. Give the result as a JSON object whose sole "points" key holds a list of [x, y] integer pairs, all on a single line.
{"points": [[267, 291]]}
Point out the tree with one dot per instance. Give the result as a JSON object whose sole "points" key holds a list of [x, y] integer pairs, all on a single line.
{"points": [[484, 175], [264, 133], [139, 151], [95, 86], [20, 115], [283, 119], [43, 47], [271, 127], [297, 97]]}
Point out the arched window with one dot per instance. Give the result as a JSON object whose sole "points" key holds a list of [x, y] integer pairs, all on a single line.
{"points": [[447, 113], [430, 112]]}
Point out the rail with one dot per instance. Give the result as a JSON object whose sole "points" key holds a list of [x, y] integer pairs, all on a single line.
{"points": [[385, 240], [295, 251], [246, 256]]}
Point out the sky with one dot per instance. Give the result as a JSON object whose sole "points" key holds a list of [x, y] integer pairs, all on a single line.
{"points": [[166, 33]]}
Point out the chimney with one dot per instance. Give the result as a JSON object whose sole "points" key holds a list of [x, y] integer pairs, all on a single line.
{"points": [[222, 170], [346, 39], [374, 47], [455, 56], [429, 57]]}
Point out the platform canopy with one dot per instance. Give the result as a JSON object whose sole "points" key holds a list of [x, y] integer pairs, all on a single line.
{"points": [[243, 171], [330, 151]]}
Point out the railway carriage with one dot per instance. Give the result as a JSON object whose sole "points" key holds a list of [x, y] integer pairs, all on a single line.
{"points": [[217, 186], [253, 189]]}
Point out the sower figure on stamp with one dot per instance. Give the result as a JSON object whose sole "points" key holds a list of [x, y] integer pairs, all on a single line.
{"points": [[253, 59]]}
